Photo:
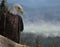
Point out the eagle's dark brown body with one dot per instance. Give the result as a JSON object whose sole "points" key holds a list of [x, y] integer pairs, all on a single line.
{"points": [[10, 25]]}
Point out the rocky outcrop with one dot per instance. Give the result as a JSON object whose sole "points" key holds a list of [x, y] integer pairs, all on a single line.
{"points": [[5, 42]]}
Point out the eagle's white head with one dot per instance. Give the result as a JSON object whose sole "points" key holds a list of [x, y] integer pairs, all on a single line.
{"points": [[16, 9]]}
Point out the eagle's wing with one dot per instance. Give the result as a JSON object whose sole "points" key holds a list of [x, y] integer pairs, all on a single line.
{"points": [[21, 26]]}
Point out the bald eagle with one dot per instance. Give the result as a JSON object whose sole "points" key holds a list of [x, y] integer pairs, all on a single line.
{"points": [[11, 23]]}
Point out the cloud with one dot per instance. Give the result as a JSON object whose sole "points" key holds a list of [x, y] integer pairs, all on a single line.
{"points": [[44, 28]]}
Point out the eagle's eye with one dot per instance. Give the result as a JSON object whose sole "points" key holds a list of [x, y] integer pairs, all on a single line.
{"points": [[18, 7]]}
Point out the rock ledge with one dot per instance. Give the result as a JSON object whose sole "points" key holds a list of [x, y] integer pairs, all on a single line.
{"points": [[5, 42]]}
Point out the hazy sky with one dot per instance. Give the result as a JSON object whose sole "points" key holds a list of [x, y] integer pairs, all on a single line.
{"points": [[36, 3]]}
